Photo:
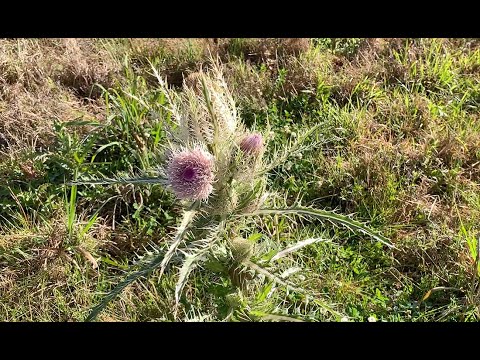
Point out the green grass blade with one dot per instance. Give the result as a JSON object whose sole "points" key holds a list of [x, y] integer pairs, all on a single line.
{"points": [[89, 224], [71, 207], [274, 317], [103, 148]]}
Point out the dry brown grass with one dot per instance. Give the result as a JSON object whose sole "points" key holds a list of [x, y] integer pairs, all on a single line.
{"points": [[291, 66], [266, 49], [43, 80], [182, 58], [305, 71], [374, 60], [143, 48], [179, 57], [42, 276], [402, 119], [249, 86]]}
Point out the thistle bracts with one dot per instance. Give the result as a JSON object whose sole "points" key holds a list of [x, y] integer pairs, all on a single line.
{"points": [[252, 145], [190, 174]]}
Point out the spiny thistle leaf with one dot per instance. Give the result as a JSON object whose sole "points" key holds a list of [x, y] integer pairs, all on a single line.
{"points": [[148, 265], [151, 265], [296, 247], [197, 252], [187, 219], [120, 180], [272, 277], [187, 267], [274, 317], [280, 281], [327, 215], [293, 148]]}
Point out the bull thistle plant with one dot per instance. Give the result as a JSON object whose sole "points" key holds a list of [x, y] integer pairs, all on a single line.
{"points": [[217, 170]]}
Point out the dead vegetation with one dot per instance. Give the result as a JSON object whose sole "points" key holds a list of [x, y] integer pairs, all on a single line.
{"points": [[43, 81]]}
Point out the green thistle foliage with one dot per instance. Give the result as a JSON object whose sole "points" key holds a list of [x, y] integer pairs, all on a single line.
{"points": [[204, 116]]}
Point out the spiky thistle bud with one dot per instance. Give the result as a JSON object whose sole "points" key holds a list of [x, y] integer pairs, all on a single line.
{"points": [[252, 144], [190, 174], [241, 248]]}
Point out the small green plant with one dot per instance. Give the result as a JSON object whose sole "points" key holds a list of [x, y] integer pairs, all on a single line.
{"points": [[473, 245]]}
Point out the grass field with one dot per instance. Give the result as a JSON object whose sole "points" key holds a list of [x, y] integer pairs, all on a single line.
{"points": [[392, 134]]}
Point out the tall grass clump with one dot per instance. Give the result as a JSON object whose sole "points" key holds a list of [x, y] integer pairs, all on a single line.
{"points": [[217, 170]]}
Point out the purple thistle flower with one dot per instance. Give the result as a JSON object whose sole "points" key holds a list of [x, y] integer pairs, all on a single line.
{"points": [[252, 144], [190, 174]]}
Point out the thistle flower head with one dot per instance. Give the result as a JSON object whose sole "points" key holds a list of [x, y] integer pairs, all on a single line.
{"points": [[190, 174], [252, 144]]}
